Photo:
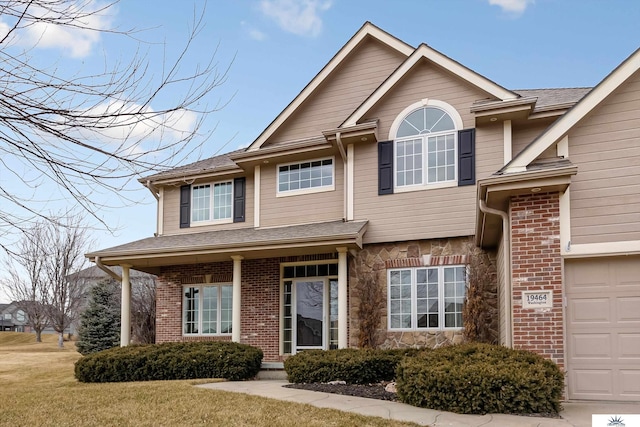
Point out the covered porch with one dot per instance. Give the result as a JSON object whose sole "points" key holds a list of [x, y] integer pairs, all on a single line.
{"points": [[287, 286]]}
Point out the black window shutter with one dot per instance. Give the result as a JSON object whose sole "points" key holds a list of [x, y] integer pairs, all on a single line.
{"points": [[185, 206], [466, 157], [385, 167], [239, 197]]}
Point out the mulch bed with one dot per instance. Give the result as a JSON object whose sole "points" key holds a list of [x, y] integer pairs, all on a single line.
{"points": [[371, 391]]}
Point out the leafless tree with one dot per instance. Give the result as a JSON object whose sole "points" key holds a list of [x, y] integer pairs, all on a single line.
{"points": [[25, 282], [49, 254], [64, 249], [143, 309], [92, 134]]}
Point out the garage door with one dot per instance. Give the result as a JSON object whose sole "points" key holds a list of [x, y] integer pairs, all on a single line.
{"points": [[603, 328]]}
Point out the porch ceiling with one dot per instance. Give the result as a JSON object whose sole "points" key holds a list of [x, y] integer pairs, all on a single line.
{"points": [[150, 254]]}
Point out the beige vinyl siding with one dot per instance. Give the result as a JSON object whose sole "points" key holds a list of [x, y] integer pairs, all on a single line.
{"points": [[301, 208], [523, 133], [351, 83], [171, 223], [423, 214], [502, 310], [426, 81], [605, 193]]}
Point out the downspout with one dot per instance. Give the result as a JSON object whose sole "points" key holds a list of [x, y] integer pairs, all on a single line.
{"points": [[343, 154], [107, 270], [506, 235]]}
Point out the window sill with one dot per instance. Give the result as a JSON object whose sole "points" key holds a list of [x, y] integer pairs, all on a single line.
{"points": [[425, 330], [214, 222], [305, 191], [205, 335], [410, 188]]}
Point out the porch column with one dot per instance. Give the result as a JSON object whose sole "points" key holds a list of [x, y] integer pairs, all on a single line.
{"points": [[235, 309], [342, 297], [125, 310]]}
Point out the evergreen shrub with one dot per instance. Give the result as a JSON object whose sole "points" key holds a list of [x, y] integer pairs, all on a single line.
{"points": [[171, 361], [480, 379], [354, 366]]}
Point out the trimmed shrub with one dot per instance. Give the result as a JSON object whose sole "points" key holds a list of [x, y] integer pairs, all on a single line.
{"points": [[354, 366], [480, 379], [171, 361]]}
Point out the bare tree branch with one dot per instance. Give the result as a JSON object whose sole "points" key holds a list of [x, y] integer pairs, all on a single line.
{"points": [[92, 134]]}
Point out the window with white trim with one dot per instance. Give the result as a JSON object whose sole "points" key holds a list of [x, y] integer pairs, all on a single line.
{"points": [[207, 309], [425, 148], [212, 202], [426, 297], [315, 175]]}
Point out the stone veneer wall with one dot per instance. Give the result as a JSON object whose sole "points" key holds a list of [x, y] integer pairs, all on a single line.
{"points": [[260, 312], [375, 259], [537, 266]]}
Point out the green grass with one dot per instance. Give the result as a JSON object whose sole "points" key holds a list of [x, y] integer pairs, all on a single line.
{"points": [[39, 389]]}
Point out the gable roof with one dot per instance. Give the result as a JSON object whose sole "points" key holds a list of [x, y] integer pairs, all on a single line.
{"points": [[587, 104], [217, 163], [425, 52], [367, 30], [553, 97]]}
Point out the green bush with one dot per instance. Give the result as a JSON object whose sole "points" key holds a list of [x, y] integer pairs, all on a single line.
{"points": [[480, 379], [354, 366], [171, 361]]}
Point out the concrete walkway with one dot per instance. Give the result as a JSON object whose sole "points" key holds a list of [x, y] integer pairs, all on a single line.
{"points": [[574, 414]]}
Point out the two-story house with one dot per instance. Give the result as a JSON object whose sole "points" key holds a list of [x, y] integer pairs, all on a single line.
{"points": [[385, 171]]}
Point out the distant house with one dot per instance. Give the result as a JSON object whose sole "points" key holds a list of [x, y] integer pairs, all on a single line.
{"points": [[390, 164], [12, 318]]}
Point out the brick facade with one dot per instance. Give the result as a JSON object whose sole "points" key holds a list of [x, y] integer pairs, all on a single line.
{"points": [[260, 311], [260, 308], [537, 266]]}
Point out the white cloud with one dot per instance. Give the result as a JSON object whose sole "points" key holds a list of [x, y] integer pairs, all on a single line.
{"points": [[132, 134], [253, 32], [513, 7], [301, 17], [76, 40]]}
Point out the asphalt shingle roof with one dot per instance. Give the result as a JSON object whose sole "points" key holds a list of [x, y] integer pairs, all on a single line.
{"points": [[236, 238], [551, 97]]}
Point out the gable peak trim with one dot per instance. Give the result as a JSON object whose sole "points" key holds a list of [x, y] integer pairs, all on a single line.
{"points": [[426, 52], [368, 30], [560, 128]]}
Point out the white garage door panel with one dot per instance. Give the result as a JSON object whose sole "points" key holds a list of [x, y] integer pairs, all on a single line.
{"points": [[603, 328], [628, 309], [593, 382], [591, 310], [630, 384], [629, 346], [591, 346]]}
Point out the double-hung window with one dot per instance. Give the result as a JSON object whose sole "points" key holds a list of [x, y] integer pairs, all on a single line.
{"points": [[206, 309], [306, 177], [212, 202], [426, 297], [425, 149]]}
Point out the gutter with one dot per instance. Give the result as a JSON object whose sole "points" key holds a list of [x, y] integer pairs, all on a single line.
{"points": [[506, 234], [107, 270]]}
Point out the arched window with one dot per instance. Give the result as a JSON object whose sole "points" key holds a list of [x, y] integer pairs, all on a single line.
{"points": [[425, 144]]}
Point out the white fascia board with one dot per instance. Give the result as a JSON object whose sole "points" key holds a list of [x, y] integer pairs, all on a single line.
{"points": [[424, 51], [562, 126], [367, 29]]}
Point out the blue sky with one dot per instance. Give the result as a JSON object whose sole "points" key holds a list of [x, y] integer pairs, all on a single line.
{"points": [[275, 47]]}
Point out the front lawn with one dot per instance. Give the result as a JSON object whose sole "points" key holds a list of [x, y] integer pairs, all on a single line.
{"points": [[38, 388]]}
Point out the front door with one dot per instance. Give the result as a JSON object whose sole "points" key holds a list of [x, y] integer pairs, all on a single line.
{"points": [[310, 315]]}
